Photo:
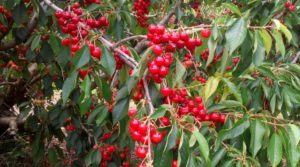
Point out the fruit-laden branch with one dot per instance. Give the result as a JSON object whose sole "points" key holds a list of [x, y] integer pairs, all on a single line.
{"points": [[141, 46], [128, 60], [30, 27]]}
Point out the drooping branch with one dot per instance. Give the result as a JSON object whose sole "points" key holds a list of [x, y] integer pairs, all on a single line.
{"points": [[30, 27], [128, 60], [129, 39]]}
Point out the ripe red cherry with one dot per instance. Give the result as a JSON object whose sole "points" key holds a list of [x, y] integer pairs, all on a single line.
{"points": [[131, 112], [165, 121], [214, 116], [236, 60], [141, 165], [163, 71], [142, 129], [198, 99], [141, 152], [206, 33], [184, 36], [153, 69], [134, 124], [222, 118], [160, 29], [156, 138], [287, 4], [174, 163], [83, 73], [65, 42], [136, 136], [157, 50], [96, 53], [159, 60], [165, 91], [291, 8], [152, 28]]}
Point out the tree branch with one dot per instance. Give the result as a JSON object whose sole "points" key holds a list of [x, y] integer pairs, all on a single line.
{"points": [[296, 58], [167, 17], [53, 6], [128, 39], [30, 27]]}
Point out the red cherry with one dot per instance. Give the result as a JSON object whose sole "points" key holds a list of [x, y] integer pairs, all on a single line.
{"points": [[201, 113], [166, 91], [165, 38], [214, 116], [184, 36], [141, 152], [134, 124], [165, 121], [198, 99], [156, 138], [163, 71], [159, 60], [205, 33], [152, 28], [141, 165], [153, 69], [292, 8], [136, 136], [198, 42], [131, 112], [174, 163], [157, 49], [65, 42], [222, 118], [82, 73], [287, 4], [160, 29], [96, 53], [174, 37], [142, 129]]}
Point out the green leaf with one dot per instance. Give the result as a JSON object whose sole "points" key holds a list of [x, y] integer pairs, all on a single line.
{"points": [[203, 145], [102, 115], [238, 128], [212, 45], [211, 86], [283, 29], [69, 86], [35, 42], [275, 149], [162, 158], [120, 110], [106, 91], [267, 39], [257, 130], [184, 150], [160, 112], [108, 61], [86, 87], [224, 60], [279, 42], [55, 43], [82, 57], [180, 70], [233, 89], [236, 34], [246, 55], [19, 13], [218, 156], [259, 53], [172, 137], [233, 8], [295, 131]]}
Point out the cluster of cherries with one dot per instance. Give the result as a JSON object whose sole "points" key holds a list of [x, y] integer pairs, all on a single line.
{"points": [[138, 92], [7, 14], [92, 1], [289, 6], [119, 61], [106, 154], [138, 131], [187, 105], [21, 49], [71, 23], [162, 41], [199, 78], [140, 7]]}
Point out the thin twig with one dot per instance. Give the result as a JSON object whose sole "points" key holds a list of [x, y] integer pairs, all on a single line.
{"points": [[128, 60], [296, 58], [167, 17], [128, 39], [53, 6]]}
